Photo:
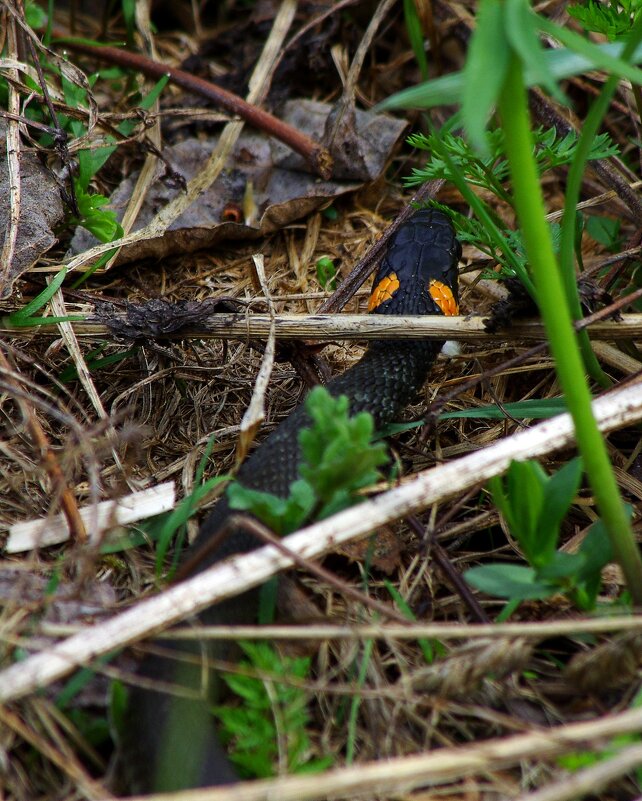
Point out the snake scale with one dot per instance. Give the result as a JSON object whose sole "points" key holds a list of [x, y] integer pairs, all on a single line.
{"points": [[168, 741]]}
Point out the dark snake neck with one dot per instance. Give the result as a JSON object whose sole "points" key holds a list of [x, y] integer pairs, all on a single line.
{"points": [[383, 383]]}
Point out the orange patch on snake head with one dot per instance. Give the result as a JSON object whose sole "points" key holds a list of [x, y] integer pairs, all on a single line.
{"points": [[443, 296], [384, 291]]}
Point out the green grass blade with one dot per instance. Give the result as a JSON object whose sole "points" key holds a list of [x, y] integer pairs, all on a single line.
{"points": [[40, 300], [483, 76], [522, 33], [574, 180], [416, 36], [599, 57], [557, 319], [355, 704], [448, 89], [34, 322], [534, 409]]}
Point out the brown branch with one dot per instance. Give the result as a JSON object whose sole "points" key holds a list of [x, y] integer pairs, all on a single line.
{"points": [[314, 153], [443, 560], [548, 115], [132, 325]]}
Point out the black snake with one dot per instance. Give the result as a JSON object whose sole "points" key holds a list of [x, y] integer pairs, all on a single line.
{"points": [[168, 742]]}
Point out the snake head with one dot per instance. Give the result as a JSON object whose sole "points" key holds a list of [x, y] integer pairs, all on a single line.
{"points": [[418, 274]]}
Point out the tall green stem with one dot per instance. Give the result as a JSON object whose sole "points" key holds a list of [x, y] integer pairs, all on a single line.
{"points": [[529, 203], [573, 186]]}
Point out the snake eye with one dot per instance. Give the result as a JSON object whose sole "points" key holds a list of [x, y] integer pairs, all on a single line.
{"points": [[443, 296], [384, 291]]}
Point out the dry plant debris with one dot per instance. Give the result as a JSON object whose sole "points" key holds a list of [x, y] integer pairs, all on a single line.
{"points": [[40, 212], [105, 418]]}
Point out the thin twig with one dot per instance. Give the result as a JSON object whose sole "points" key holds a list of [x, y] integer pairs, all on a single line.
{"points": [[537, 630], [264, 535], [314, 153], [12, 150], [443, 560], [226, 325], [400, 775]]}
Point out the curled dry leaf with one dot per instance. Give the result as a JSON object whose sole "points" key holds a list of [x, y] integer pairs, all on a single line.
{"points": [[282, 190]]}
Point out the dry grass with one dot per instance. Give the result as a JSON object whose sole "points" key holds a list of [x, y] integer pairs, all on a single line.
{"points": [[147, 419]]}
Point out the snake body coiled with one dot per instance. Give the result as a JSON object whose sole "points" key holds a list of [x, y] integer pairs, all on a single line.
{"points": [[168, 741]]}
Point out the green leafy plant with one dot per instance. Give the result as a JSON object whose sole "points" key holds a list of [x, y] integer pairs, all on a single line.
{"points": [[604, 230], [611, 19], [91, 160], [327, 273], [454, 159], [93, 215], [491, 170], [273, 714], [99, 221], [338, 460], [534, 505], [614, 20]]}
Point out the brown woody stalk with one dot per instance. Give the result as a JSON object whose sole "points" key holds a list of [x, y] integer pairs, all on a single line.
{"points": [[315, 154]]}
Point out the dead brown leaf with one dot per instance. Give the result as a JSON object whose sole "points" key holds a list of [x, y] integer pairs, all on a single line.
{"points": [[281, 188], [40, 210]]}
